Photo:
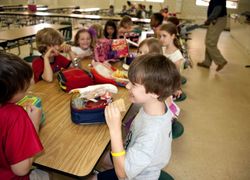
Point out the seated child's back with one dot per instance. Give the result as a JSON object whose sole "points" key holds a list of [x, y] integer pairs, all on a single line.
{"points": [[18, 128]]}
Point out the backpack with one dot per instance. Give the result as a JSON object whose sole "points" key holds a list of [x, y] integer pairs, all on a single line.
{"points": [[74, 78]]}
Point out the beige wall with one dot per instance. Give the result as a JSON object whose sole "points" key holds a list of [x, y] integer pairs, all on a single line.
{"points": [[55, 3], [188, 8]]}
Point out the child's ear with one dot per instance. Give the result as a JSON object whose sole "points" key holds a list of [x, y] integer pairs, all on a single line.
{"points": [[153, 95]]}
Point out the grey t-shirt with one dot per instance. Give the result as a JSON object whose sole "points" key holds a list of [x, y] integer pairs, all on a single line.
{"points": [[148, 146]]}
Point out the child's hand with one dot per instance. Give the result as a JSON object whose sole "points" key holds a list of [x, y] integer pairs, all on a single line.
{"points": [[178, 93], [113, 116], [35, 115], [52, 51], [65, 48]]}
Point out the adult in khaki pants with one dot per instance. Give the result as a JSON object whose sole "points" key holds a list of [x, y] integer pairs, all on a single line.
{"points": [[216, 22]]}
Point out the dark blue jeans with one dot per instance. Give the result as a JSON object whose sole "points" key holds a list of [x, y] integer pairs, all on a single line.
{"points": [[107, 175]]}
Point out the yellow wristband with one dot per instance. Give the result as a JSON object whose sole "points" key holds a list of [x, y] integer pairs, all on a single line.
{"points": [[118, 154]]}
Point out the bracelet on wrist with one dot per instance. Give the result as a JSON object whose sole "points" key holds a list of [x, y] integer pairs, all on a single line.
{"points": [[122, 153]]}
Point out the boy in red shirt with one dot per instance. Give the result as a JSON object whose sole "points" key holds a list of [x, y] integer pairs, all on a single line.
{"points": [[49, 43], [19, 141]]}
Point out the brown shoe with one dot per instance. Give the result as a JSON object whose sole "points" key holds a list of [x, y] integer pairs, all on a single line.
{"points": [[221, 66], [202, 65]]}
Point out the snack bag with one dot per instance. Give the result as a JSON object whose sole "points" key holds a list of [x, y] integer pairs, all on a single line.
{"points": [[110, 50], [102, 50], [120, 48], [33, 100]]}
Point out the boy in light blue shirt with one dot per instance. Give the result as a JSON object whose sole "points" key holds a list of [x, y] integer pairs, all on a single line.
{"points": [[147, 149]]}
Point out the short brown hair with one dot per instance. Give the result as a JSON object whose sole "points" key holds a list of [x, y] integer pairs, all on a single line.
{"points": [[157, 73], [153, 44], [156, 20], [15, 75], [48, 37], [126, 20]]}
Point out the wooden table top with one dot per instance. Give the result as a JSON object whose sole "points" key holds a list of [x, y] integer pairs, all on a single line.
{"points": [[50, 14], [27, 31], [70, 148], [64, 7], [83, 16], [77, 16], [88, 10], [3, 44]]}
